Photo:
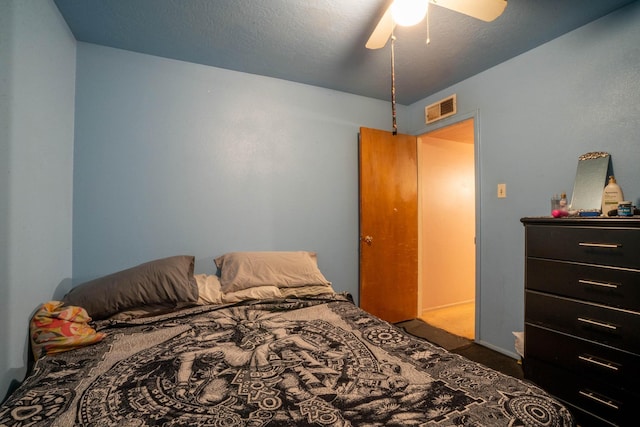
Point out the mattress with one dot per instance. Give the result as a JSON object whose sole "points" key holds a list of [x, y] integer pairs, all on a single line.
{"points": [[314, 361]]}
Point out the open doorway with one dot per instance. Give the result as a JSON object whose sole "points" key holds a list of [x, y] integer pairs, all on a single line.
{"points": [[447, 260]]}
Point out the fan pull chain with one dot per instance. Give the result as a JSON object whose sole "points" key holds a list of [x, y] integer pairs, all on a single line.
{"points": [[393, 85], [428, 32]]}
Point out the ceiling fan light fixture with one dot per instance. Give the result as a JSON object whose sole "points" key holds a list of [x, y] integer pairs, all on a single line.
{"points": [[409, 12]]}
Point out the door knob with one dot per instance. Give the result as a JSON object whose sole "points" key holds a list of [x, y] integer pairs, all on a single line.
{"points": [[367, 240]]}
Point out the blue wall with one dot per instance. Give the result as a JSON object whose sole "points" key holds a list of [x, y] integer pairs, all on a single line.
{"points": [[37, 86], [173, 157], [537, 113]]}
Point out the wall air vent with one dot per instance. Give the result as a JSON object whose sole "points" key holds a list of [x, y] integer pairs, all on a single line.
{"points": [[441, 109]]}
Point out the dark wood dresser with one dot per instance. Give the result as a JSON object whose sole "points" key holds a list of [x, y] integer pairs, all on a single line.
{"points": [[582, 315]]}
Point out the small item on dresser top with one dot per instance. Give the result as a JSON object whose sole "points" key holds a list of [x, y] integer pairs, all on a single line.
{"points": [[634, 212], [555, 203], [559, 207], [563, 202], [559, 202], [589, 213], [625, 208], [591, 177], [611, 196], [559, 213]]}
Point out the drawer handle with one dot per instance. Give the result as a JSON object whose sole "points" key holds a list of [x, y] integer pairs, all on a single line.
{"points": [[600, 245], [601, 284], [596, 323], [591, 359], [591, 395]]}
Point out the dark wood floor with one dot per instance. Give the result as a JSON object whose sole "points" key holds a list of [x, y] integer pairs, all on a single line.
{"points": [[464, 347]]}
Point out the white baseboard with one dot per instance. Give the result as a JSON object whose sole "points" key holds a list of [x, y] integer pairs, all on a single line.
{"points": [[447, 305]]}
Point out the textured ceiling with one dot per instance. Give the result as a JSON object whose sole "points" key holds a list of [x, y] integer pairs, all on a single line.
{"points": [[321, 42]]}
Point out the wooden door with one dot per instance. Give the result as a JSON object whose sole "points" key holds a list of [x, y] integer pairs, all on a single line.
{"points": [[388, 224]]}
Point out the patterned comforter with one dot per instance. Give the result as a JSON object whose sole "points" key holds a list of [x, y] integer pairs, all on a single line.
{"points": [[294, 362]]}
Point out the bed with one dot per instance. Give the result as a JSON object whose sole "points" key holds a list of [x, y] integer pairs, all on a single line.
{"points": [[297, 355]]}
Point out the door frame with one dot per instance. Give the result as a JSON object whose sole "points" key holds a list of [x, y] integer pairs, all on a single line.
{"points": [[478, 205]]}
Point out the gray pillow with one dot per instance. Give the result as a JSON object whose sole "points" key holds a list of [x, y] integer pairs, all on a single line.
{"points": [[167, 281]]}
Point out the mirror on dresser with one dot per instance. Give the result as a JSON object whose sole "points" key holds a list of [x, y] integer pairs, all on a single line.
{"points": [[591, 177]]}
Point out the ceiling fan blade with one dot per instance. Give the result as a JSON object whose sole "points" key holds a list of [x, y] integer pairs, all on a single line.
{"points": [[485, 10], [382, 32]]}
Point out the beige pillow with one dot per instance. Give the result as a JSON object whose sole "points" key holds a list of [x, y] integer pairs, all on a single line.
{"points": [[258, 292], [243, 270], [209, 291]]}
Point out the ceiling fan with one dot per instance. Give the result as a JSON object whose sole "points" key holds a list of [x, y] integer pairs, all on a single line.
{"points": [[485, 10]]}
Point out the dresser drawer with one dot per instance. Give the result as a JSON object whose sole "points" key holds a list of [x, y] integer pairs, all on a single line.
{"points": [[616, 287], [611, 406], [583, 357], [618, 247], [613, 327]]}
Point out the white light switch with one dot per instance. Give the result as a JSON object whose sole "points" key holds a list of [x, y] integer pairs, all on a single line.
{"points": [[502, 191]]}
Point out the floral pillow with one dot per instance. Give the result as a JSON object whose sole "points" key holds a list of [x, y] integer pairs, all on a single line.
{"points": [[55, 328]]}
